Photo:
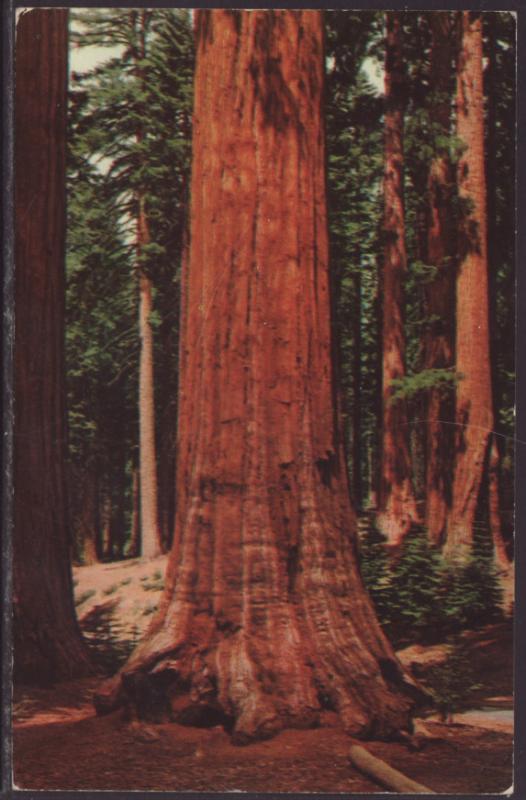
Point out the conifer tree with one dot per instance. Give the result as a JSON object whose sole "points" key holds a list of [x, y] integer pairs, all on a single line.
{"points": [[397, 504], [474, 407], [47, 642], [264, 620], [439, 290], [135, 117]]}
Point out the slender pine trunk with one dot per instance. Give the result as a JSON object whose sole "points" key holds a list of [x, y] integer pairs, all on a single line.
{"points": [[151, 545]]}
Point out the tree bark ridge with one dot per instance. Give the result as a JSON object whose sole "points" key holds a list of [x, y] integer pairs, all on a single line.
{"points": [[264, 620]]}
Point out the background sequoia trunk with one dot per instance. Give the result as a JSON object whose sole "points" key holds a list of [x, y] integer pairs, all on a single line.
{"points": [[47, 641], [439, 295], [474, 412], [264, 620], [397, 504]]}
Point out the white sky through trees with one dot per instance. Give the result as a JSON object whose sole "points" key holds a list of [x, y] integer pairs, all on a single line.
{"points": [[85, 58]]}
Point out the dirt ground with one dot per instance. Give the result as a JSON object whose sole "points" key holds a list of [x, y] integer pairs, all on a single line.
{"points": [[60, 744]]}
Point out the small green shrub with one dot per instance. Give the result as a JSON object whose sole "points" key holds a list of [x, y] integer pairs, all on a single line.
{"points": [[452, 684], [126, 581], [111, 589], [420, 597]]}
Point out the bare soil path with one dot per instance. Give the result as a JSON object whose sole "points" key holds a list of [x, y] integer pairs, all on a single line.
{"points": [[58, 751]]}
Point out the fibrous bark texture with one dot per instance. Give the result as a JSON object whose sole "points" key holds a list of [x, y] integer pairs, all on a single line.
{"points": [[264, 620], [474, 413], [439, 294], [397, 504], [47, 641]]}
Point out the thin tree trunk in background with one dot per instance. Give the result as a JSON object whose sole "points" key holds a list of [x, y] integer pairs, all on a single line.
{"points": [[118, 535], [439, 295], [474, 411], [397, 504], [89, 517], [135, 544], [105, 525], [47, 641], [264, 620], [150, 532]]}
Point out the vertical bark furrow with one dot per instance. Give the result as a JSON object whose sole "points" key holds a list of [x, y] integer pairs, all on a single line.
{"points": [[397, 509], [439, 294], [474, 412], [47, 641]]}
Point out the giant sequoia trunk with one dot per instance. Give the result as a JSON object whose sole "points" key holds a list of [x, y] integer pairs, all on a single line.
{"points": [[439, 295], [47, 641], [474, 413], [264, 620], [397, 505]]}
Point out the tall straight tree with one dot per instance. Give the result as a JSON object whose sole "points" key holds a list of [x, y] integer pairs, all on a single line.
{"points": [[474, 411], [439, 293], [397, 503], [47, 641], [264, 620], [149, 511], [134, 112]]}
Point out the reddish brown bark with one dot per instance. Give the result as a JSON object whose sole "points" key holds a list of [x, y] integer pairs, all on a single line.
{"points": [[47, 641], [439, 295], [264, 620], [397, 505], [474, 412]]}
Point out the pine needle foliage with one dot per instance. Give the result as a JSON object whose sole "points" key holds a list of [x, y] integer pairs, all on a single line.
{"points": [[453, 684], [419, 597], [130, 137]]}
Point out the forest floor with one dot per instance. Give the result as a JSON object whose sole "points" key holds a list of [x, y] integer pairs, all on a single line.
{"points": [[59, 743]]}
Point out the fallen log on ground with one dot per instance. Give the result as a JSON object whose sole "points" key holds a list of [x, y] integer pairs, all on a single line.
{"points": [[383, 774]]}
